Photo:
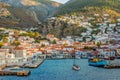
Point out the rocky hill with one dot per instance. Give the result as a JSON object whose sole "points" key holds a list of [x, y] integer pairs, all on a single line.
{"points": [[26, 13], [76, 17], [72, 17]]}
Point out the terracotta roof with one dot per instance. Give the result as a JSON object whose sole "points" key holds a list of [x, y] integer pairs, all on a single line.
{"points": [[19, 48]]}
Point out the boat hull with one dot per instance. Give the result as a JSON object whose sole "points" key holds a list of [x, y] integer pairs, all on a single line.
{"points": [[98, 64], [76, 67]]}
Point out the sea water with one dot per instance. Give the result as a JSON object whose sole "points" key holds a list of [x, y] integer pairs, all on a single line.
{"points": [[62, 70]]}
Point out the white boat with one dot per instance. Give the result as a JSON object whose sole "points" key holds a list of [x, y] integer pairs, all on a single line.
{"points": [[76, 67]]}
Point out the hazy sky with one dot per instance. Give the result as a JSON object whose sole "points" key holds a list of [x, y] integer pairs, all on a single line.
{"points": [[61, 1]]}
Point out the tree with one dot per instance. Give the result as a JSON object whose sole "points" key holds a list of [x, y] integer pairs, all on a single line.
{"points": [[84, 39], [5, 39], [31, 34], [42, 45], [1, 37], [37, 41], [36, 34], [111, 41], [98, 44], [1, 44], [65, 44], [54, 41], [16, 43], [16, 32]]}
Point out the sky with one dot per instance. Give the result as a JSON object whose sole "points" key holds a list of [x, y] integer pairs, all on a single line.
{"points": [[61, 1]]}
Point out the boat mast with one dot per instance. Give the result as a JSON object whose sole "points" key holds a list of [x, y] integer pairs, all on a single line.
{"points": [[74, 58], [109, 47], [74, 48]]}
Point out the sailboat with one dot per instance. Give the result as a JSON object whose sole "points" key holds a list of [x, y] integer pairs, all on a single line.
{"points": [[75, 66]]}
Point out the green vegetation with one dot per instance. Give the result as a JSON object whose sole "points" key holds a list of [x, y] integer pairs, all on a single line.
{"points": [[1, 44], [95, 31], [85, 5], [111, 41], [42, 45], [45, 1], [31, 34], [88, 48], [79, 30], [16, 43], [54, 41], [98, 44], [1, 37], [84, 39], [5, 39]]}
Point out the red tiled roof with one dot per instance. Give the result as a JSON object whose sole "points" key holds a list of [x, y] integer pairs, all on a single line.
{"points": [[19, 48]]}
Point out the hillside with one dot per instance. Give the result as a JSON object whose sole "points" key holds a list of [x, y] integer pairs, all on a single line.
{"points": [[80, 5], [78, 17], [42, 8], [25, 13]]}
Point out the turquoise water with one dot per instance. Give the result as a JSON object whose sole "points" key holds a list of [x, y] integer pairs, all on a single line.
{"points": [[62, 70]]}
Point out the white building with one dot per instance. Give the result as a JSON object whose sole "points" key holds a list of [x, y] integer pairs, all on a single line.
{"points": [[3, 53]]}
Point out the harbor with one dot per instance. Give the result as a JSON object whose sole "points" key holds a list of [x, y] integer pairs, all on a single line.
{"points": [[25, 69], [54, 69]]}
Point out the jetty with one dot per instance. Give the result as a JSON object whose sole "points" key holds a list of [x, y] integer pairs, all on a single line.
{"points": [[113, 64], [33, 64], [4, 71], [14, 73]]}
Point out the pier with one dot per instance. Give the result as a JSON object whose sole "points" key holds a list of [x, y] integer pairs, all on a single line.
{"points": [[6, 72], [34, 64], [12, 73], [113, 64]]}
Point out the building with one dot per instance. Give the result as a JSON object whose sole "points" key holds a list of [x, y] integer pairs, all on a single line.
{"points": [[3, 53]]}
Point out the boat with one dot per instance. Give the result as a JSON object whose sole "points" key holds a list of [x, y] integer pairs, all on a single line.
{"points": [[75, 66], [97, 62]]}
